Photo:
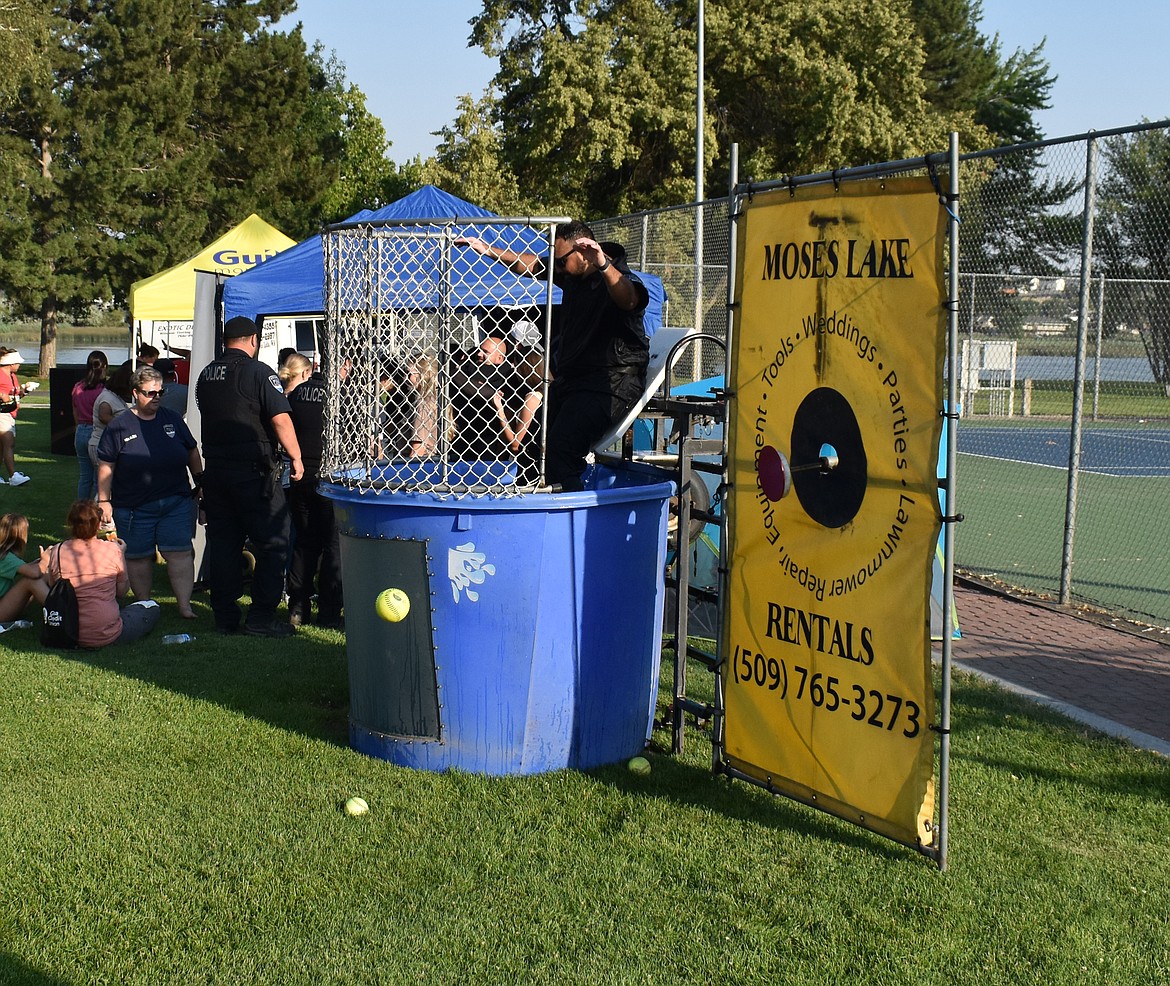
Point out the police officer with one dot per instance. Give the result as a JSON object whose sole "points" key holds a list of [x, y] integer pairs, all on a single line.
{"points": [[316, 556], [245, 417]]}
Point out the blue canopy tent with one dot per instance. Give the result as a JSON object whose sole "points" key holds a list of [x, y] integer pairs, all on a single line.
{"points": [[293, 282]]}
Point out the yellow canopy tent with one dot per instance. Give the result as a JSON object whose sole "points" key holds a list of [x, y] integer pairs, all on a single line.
{"points": [[163, 306], [170, 294]]}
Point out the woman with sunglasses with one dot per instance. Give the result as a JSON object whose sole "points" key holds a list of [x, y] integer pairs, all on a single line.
{"points": [[144, 459]]}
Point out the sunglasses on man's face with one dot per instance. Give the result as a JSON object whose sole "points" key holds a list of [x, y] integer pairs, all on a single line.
{"points": [[154, 395], [560, 262]]}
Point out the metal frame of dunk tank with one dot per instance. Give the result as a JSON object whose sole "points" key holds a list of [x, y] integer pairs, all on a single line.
{"points": [[803, 701]]}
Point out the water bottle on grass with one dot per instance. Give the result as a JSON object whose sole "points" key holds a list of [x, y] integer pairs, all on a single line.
{"points": [[177, 638]]}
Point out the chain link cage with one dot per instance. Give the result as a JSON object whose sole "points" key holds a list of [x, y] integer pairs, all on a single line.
{"points": [[435, 356]]}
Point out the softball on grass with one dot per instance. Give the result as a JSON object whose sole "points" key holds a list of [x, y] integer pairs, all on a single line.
{"points": [[356, 806], [639, 765], [392, 605]]}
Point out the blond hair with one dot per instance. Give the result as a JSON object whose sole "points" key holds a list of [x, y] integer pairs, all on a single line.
{"points": [[293, 366]]}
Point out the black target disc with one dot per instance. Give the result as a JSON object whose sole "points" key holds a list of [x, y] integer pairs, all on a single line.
{"points": [[831, 497]]}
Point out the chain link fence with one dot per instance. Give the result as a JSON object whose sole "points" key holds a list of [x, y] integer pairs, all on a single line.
{"points": [[666, 242], [1065, 323], [1064, 315]]}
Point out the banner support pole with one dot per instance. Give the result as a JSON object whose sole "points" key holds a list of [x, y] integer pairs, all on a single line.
{"points": [[944, 758], [717, 722]]}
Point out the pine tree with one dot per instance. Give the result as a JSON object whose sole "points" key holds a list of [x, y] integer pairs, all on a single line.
{"points": [[40, 269], [160, 124], [24, 29]]}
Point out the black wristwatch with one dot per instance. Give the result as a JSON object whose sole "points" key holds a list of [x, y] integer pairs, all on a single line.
{"points": [[604, 266]]}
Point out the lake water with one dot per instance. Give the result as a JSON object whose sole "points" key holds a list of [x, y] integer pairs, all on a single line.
{"points": [[115, 353], [1134, 369], [116, 348]]}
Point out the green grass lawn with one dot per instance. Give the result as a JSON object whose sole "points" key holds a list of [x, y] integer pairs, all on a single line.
{"points": [[172, 815], [1115, 401]]}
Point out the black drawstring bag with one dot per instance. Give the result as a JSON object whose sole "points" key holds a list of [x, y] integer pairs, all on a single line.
{"points": [[61, 625]]}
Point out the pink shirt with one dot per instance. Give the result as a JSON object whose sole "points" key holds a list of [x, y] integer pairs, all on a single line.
{"points": [[84, 400], [9, 386], [97, 571]]}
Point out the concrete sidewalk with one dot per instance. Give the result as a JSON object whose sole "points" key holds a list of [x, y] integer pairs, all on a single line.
{"points": [[1114, 680]]}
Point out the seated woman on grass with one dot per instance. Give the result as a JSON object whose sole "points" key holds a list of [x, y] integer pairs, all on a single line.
{"points": [[20, 583], [98, 573]]}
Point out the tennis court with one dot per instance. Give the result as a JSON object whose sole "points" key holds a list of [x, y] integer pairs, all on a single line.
{"points": [[1012, 490], [1109, 450]]}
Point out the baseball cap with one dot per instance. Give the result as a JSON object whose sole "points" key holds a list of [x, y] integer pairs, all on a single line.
{"points": [[239, 327], [165, 366]]}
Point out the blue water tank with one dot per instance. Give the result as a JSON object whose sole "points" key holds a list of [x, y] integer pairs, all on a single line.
{"points": [[532, 641]]}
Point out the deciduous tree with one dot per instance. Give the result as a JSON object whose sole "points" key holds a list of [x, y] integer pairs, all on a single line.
{"points": [[1131, 236], [597, 105], [469, 161], [366, 176]]}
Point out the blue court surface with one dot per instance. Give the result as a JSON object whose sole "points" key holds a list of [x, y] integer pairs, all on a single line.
{"points": [[1137, 451]]}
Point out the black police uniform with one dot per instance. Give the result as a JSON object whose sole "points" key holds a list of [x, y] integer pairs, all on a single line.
{"points": [[318, 543], [242, 496], [600, 354]]}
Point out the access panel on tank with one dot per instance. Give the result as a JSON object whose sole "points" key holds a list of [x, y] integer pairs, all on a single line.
{"points": [[393, 688]]}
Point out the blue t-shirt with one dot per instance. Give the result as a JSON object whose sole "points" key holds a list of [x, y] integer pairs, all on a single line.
{"points": [[149, 457]]}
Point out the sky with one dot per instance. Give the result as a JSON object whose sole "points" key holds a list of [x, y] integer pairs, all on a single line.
{"points": [[412, 61]]}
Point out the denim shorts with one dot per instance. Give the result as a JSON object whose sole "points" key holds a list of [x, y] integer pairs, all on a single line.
{"points": [[168, 524]]}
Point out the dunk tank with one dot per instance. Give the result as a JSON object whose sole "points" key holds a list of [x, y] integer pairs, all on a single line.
{"points": [[494, 625]]}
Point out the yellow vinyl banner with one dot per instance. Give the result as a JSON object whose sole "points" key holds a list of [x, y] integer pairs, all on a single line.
{"points": [[833, 516]]}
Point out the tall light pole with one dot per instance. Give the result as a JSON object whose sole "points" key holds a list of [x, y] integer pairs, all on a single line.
{"points": [[698, 322], [699, 109]]}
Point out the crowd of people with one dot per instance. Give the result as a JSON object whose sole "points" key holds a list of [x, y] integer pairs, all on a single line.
{"points": [[143, 483]]}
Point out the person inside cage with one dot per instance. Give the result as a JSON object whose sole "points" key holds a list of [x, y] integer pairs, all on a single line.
{"points": [[484, 398], [523, 413], [423, 377], [360, 412], [396, 411]]}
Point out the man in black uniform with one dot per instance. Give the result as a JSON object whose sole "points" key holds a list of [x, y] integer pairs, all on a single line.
{"points": [[600, 349], [318, 543], [245, 417]]}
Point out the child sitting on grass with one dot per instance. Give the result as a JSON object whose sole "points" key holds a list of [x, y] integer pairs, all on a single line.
{"points": [[20, 582]]}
